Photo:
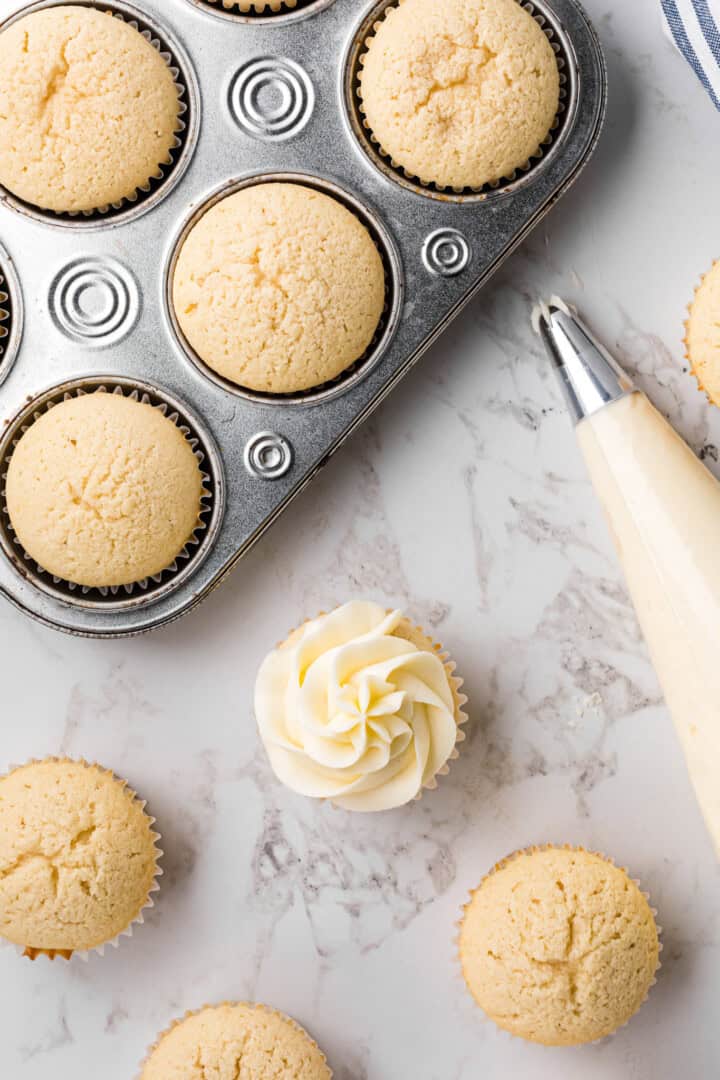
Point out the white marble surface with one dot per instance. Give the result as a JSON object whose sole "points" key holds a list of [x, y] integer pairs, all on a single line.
{"points": [[465, 501]]}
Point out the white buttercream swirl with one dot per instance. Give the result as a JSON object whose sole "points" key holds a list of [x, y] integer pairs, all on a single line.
{"points": [[350, 712]]}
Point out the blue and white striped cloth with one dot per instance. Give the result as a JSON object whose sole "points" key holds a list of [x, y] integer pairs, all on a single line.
{"points": [[694, 26]]}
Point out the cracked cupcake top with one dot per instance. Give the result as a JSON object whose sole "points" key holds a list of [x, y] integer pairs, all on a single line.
{"points": [[77, 856], [559, 946], [460, 93], [236, 1040], [88, 109], [279, 288], [104, 490]]}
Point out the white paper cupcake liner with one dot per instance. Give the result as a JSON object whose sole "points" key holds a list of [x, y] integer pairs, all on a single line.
{"points": [[31, 953], [375, 148], [529, 850], [229, 1004], [210, 512]]}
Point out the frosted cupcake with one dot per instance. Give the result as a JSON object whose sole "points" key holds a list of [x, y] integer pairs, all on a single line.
{"points": [[88, 109], [702, 340], [279, 288], [103, 490], [239, 1040], [559, 946], [461, 93], [78, 857], [359, 707]]}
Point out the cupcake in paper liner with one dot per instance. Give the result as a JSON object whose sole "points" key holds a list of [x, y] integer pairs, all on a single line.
{"points": [[105, 491], [559, 946], [236, 1039], [78, 858], [702, 334], [108, 95], [360, 707], [460, 95], [321, 264], [256, 7]]}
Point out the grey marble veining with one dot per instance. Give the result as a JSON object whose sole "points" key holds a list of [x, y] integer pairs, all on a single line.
{"points": [[465, 501]]}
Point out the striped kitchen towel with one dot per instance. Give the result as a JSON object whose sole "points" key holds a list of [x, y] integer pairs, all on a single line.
{"points": [[694, 26]]}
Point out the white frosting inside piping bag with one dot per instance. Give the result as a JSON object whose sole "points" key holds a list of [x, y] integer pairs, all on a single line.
{"points": [[352, 713], [542, 310]]}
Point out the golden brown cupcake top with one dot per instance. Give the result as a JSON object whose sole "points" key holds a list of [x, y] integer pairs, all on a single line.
{"points": [[77, 856], [559, 946], [88, 109]]}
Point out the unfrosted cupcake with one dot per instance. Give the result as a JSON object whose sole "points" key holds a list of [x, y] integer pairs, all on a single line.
{"points": [[702, 340], [103, 490], [459, 93], [279, 288], [359, 706], [88, 109], [236, 1040], [78, 857], [559, 946]]}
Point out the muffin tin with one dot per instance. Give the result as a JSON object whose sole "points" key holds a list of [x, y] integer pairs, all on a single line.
{"points": [[267, 97]]}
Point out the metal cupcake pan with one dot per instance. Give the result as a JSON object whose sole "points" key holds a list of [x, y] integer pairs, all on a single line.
{"points": [[269, 97]]}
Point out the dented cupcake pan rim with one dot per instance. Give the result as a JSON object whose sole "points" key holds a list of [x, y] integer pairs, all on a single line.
{"points": [[442, 250]]}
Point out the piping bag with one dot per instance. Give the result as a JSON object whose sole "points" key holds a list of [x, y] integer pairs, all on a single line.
{"points": [[663, 509]]}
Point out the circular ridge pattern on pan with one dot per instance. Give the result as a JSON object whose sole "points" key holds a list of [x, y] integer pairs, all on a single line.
{"points": [[197, 547], [185, 137], [94, 300], [11, 314], [567, 66], [302, 9], [394, 292], [271, 97]]}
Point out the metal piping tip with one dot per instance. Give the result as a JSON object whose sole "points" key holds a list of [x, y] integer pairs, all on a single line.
{"points": [[589, 376]]}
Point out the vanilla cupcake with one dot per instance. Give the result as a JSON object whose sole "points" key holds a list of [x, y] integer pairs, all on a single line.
{"points": [[459, 94], [88, 109], [702, 339], [279, 288], [559, 946], [103, 490], [78, 857], [359, 707], [252, 1041]]}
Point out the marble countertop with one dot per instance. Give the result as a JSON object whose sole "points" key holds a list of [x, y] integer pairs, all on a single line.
{"points": [[465, 501]]}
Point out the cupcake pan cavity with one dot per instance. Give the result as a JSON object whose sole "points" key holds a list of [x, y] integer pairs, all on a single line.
{"points": [[553, 28], [148, 590], [158, 186], [11, 315], [394, 292], [260, 11], [438, 252]]}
